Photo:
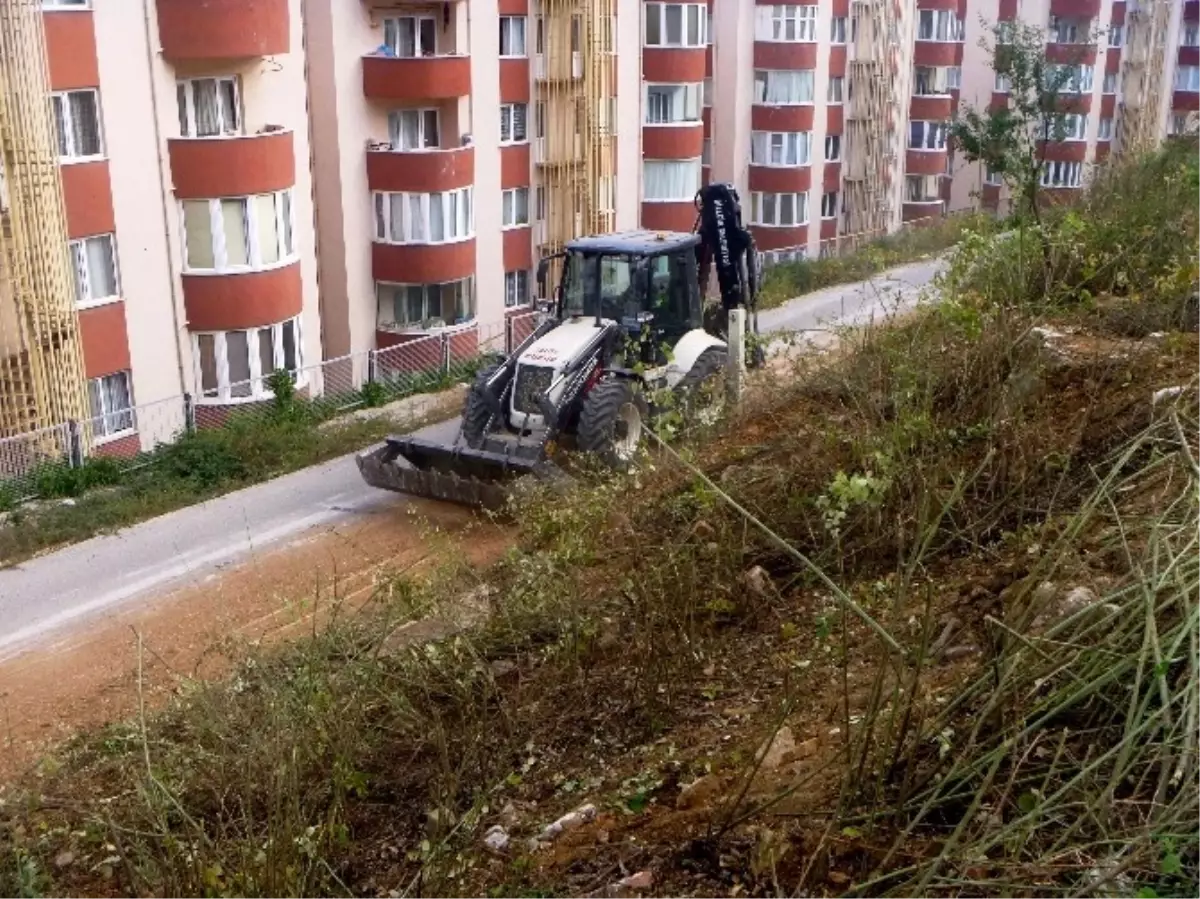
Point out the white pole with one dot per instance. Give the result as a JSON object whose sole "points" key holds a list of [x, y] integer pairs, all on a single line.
{"points": [[736, 358]]}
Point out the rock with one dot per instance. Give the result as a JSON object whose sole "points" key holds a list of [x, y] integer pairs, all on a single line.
{"points": [[569, 821], [508, 815], [780, 751], [958, 652], [501, 667], [758, 582], [1166, 393], [64, 859], [1077, 598], [698, 791], [642, 880], [496, 839]]}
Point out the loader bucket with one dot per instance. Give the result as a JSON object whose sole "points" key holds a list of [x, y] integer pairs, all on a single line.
{"points": [[469, 477]]}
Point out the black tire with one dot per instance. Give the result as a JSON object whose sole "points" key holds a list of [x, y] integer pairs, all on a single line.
{"points": [[477, 420], [708, 367], [601, 420]]}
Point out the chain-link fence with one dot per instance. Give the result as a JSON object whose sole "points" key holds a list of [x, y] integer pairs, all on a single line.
{"points": [[121, 439]]}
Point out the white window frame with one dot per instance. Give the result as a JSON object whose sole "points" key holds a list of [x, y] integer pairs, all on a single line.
{"points": [[509, 112], [778, 257], [84, 299], [1110, 83], [763, 201], [840, 81], [829, 208], [834, 142], [837, 30], [921, 196], [460, 210], [791, 148], [995, 179], [509, 27], [395, 131], [1074, 127], [66, 5], [688, 12], [688, 194], [1070, 174], [939, 131], [517, 289], [1082, 78], [285, 231], [509, 217], [67, 121], [786, 24], [230, 120], [1116, 35], [943, 26], [1002, 84], [111, 424], [392, 23], [1104, 128], [1189, 83], [762, 86], [258, 390], [462, 285], [706, 152], [1061, 28], [1189, 34], [682, 100]]}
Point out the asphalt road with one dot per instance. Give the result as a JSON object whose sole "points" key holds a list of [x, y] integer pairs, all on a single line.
{"points": [[63, 589]]}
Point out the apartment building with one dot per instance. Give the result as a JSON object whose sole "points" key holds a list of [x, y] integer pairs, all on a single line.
{"points": [[260, 184]]}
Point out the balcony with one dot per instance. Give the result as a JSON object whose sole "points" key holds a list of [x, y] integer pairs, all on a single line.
{"points": [[240, 165], [416, 78], [223, 29], [1079, 9], [419, 171]]}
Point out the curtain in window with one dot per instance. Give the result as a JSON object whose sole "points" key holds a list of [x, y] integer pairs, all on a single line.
{"points": [[671, 180], [266, 354], [285, 199], [204, 98], [110, 404], [785, 88], [437, 217], [291, 356], [79, 268], [406, 129], [237, 352], [198, 224], [102, 278], [233, 222], [85, 123], [208, 364], [229, 104], [265, 226]]}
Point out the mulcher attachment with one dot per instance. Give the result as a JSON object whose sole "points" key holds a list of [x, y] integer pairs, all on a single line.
{"points": [[458, 474]]}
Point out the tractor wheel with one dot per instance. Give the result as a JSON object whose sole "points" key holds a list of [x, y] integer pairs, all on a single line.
{"points": [[611, 421], [476, 417], [701, 392]]}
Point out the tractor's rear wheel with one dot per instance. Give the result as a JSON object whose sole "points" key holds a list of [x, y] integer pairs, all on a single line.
{"points": [[611, 422], [701, 392], [477, 417]]}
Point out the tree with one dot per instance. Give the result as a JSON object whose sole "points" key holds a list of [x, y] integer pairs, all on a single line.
{"points": [[1011, 140]]}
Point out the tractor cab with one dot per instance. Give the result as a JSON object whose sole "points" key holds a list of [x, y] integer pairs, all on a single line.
{"points": [[644, 281]]}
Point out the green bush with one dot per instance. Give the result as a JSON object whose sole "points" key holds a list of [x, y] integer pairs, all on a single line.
{"points": [[56, 480]]}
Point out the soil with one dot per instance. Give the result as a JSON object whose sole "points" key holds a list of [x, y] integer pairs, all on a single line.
{"points": [[90, 677]]}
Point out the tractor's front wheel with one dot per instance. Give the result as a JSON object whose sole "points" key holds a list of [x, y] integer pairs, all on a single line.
{"points": [[701, 392], [611, 421], [477, 417]]}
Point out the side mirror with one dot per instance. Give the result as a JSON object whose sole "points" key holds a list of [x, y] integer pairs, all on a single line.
{"points": [[541, 276], [545, 307]]}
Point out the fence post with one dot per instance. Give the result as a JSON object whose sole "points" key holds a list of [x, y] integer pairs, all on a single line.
{"points": [[446, 355], [372, 366], [74, 444], [736, 356], [509, 343], [189, 414]]}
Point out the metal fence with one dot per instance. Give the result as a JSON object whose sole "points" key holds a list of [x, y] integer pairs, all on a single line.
{"points": [[33, 463]]}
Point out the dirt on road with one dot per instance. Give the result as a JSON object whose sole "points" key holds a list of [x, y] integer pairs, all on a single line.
{"points": [[89, 676]]}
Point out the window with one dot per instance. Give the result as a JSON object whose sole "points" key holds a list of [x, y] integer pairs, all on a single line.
{"points": [[672, 103], [1189, 35], [1062, 174], [922, 188], [416, 218], [238, 232], [778, 210], [516, 289], [926, 135], [209, 107], [1110, 83], [708, 92], [66, 4], [837, 30], [1187, 78], [777, 257], [706, 152], [783, 88], [514, 207], [1003, 84], [512, 35], [411, 306], [111, 402], [414, 129], [1069, 127], [992, 177], [1064, 31], [670, 180], [675, 25], [411, 36], [837, 89], [1116, 35], [77, 122], [786, 23], [780, 148], [829, 205], [1071, 79], [833, 147], [512, 123], [935, 81], [939, 25], [236, 364], [1105, 129], [95, 267]]}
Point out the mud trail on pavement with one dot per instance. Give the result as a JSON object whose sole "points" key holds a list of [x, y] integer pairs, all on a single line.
{"points": [[89, 677]]}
